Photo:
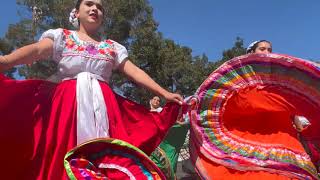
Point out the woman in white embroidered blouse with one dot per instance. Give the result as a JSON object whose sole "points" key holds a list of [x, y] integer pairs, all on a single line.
{"points": [[82, 107]]}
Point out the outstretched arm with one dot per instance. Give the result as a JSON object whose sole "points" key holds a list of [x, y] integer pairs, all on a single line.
{"points": [[140, 77], [27, 54]]}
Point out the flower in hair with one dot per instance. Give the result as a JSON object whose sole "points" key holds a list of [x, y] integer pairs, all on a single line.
{"points": [[73, 18], [251, 45]]}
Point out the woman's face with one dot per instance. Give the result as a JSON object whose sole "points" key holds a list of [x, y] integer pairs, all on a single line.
{"points": [[90, 13], [155, 102], [263, 47]]}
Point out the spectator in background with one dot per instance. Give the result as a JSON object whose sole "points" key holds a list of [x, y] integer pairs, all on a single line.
{"points": [[155, 104]]}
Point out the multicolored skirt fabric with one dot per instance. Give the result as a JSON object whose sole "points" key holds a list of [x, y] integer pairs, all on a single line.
{"points": [[243, 125], [110, 159]]}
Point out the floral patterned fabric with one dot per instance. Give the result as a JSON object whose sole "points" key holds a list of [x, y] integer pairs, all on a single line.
{"points": [[72, 54]]}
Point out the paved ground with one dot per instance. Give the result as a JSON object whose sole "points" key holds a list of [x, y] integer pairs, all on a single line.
{"points": [[185, 171]]}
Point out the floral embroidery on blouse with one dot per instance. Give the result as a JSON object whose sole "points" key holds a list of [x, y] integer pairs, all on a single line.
{"points": [[74, 46]]}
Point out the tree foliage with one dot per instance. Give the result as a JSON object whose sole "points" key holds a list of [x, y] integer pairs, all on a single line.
{"points": [[235, 51], [130, 22], [5, 48]]}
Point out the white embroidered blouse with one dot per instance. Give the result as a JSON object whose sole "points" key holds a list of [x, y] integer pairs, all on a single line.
{"points": [[87, 62]]}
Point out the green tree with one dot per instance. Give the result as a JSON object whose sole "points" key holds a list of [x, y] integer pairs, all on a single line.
{"points": [[202, 68], [130, 22], [170, 64], [236, 50], [122, 16], [5, 48]]}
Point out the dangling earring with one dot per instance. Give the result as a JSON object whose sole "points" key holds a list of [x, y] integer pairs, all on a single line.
{"points": [[73, 18]]}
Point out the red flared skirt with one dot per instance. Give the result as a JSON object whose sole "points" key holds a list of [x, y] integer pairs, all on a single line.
{"points": [[39, 122]]}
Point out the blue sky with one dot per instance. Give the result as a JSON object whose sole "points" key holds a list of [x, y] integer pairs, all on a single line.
{"points": [[211, 26]]}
